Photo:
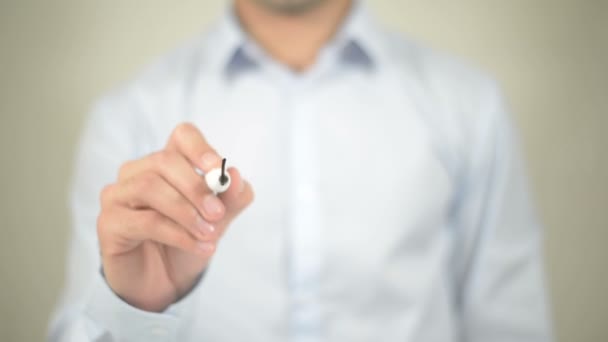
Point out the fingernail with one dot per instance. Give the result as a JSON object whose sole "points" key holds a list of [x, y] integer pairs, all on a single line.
{"points": [[205, 247], [210, 160], [204, 227], [213, 206]]}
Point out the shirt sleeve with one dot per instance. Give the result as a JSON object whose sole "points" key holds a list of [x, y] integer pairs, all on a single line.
{"points": [[88, 309], [502, 290]]}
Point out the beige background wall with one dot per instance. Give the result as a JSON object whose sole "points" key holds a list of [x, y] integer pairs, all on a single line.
{"points": [[551, 56]]}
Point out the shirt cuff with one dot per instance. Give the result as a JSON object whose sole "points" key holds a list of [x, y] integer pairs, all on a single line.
{"points": [[128, 323]]}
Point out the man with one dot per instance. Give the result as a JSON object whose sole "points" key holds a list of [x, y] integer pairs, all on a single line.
{"points": [[390, 202]]}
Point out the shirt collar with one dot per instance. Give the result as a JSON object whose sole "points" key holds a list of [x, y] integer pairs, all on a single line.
{"points": [[356, 42]]}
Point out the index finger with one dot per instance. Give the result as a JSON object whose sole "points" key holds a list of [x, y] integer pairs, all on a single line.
{"points": [[187, 140]]}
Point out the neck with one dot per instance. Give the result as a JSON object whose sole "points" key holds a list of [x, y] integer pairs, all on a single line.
{"points": [[294, 40]]}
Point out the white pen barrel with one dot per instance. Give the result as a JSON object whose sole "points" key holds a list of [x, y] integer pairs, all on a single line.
{"points": [[212, 178]]}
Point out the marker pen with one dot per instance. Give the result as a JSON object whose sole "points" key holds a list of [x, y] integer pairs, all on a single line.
{"points": [[218, 180]]}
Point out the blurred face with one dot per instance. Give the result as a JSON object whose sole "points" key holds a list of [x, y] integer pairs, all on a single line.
{"points": [[291, 7]]}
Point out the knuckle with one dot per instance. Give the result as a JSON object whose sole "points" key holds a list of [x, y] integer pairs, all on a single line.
{"points": [[124, 169], [106, 193], [182, 130]]}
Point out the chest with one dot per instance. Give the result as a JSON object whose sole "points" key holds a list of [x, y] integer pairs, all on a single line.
{"points": [[374, 230], [362, 147]]}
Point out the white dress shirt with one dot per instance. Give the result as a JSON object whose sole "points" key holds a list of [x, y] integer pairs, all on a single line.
{"points": [[390, 203]]}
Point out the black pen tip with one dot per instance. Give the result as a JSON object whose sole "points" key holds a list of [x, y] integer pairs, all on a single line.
{"points": [[223, 177]]}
